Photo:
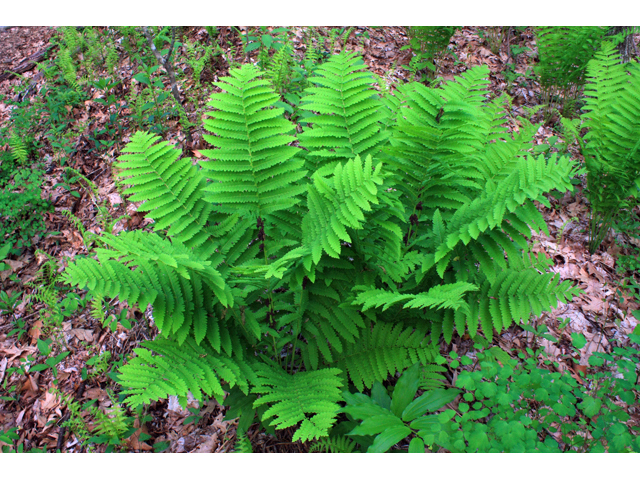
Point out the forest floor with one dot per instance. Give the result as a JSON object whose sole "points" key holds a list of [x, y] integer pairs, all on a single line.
{"points": [[602, 313]]}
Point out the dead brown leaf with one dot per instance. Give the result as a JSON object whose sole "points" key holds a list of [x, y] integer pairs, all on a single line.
{"points": [[3, 367], [114, 199], [15, 264], [134, 440], [82, 334], [96, 393], [594, 305], [209, 445], [35, 331]]}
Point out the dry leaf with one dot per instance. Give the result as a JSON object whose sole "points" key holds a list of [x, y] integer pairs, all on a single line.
{"points": [[3, 367], [594, 305], [114, 199], [134, 440], [96, 393], [82, 334], [11, 352], [35, 331], [14, 264], [209, 445]]}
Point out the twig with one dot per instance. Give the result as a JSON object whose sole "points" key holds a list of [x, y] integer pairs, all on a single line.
{"points": [[165, 62], [28, 64]]}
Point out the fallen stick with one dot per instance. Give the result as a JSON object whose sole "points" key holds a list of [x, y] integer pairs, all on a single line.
{"points": [[28, 63]]}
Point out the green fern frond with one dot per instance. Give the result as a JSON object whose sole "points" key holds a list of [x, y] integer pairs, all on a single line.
{"points": [[280, 68], [440, 296], [112, 424], [18, 150], [349, 112], [611, 146], [164, 368], [429, 40], [253, 169], [243, 443], [511, 297], [308, 397], [170, 188], [167, 274], [431, 377], [382, 351], [97, 310], [337, 203], [564, 53], [339, 444], [527, 179]]}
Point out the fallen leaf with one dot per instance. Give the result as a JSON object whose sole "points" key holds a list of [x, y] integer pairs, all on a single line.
{"points": [[594, 305], [114, 199], [581, 369], [208, 446], [134, 440], [196, 153], [35, 331], [11, 352], [15, 264], [3, 367], [96, 393], [82, 334]]}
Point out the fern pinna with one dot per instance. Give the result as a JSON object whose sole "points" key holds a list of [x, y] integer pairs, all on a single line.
{"points": [[293, 272]]}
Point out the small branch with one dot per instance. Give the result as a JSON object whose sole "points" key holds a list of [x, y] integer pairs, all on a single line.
{"points": [[165, 62], [27, 64]]}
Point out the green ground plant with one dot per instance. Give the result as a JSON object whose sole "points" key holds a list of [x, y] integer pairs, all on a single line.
{"points": [[506, 405], [293, 273], [22, 208], [427, 44], [611, 147], [564, 53]]}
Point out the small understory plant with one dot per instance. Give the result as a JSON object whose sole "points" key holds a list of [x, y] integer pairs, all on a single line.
{"points": [[611, 146], [505, 405], [290, 275], [427, 44], [564, 53], [22, 208]]}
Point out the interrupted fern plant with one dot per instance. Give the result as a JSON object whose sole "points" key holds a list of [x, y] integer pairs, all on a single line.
{"points": [[294, 272], [611, 147]]}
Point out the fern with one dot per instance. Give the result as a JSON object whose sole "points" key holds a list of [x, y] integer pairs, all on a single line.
{"points": [[295, 272], [253, 169], [280, 68], [339, 444], [18, 149], [349, 113], [307, 397], [611, 147], [175, 370], [243, 444], [167, 274], [381, 351], [337, 203], [170, 189], [564, 53]]}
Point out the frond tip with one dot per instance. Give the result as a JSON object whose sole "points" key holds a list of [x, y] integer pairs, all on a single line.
{"points": [[308, 397]]}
